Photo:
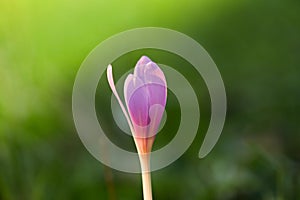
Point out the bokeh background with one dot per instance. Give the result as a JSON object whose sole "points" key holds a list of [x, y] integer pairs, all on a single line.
{"points": [[255, 44]]}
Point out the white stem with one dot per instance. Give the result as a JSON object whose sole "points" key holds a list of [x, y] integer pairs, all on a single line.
{"points": [[146, 176]]}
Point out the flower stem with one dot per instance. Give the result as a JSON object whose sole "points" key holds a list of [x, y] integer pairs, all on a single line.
{"points": [[146, 176]]}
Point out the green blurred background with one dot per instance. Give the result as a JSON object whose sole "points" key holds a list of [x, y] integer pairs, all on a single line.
{"points": [[255, 44]]}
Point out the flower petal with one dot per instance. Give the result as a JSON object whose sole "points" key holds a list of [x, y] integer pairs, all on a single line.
{"points": [[146, 107], [152, 71], [149, 72], [157, 94], [113, 88], [138, 106], [143, 60], [130, 85]]}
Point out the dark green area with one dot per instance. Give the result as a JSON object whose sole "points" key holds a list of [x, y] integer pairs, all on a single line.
{"points": [[256, 46]]}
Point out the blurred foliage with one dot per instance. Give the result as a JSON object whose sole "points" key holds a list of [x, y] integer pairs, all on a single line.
{"points": [[255, 45]]}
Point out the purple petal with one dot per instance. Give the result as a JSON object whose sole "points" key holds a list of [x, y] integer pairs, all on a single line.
{"points": [[149, 73], [143, 60], [155, 114], [146, 106], [138, 106], [145, 94], [131, 84], [157, 94]]}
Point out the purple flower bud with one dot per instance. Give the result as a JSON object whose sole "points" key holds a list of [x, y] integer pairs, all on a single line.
{"points": [[145, 93]]}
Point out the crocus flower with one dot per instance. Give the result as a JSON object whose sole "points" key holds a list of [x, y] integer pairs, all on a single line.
{"points": [[145, 93]]}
